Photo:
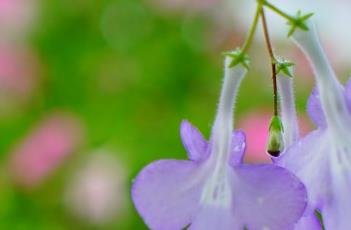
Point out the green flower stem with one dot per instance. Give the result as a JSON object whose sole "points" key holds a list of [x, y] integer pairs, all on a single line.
{"points": [[239, 56], [273, 62], [296, 22], [278, 11], [248, 40]]}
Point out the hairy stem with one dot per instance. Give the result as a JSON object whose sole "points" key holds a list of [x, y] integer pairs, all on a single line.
{"points": [[273, 61]]}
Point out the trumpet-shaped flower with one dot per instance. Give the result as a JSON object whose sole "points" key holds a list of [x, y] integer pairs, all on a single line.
{"points": [[214, 189], [291, 135], [322, 159]]}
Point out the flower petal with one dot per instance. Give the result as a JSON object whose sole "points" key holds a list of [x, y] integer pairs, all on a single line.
{"points": [[337, 208], [268, 197], [166, 193], [193, 141], [309, 222], [314, 109], [348, 94], [307, 159], [215, 218], [238, 147]]}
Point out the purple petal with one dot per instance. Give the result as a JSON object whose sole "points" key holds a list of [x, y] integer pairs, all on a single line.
{"points": [[238, 147], [193, 141], [308, 160], [166, 193], [337, 209], [348, 94], [309, 222], [268, 197], [215, 218], [334, 219], [314, 109]]}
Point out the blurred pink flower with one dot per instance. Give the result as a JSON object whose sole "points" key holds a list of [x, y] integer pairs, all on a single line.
{"points": [[16, 17], [18, 72], [20, 79], [41, 151], [97, 192], [255, 125]]}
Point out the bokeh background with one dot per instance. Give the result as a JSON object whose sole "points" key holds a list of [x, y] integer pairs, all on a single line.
{"points": [[93, 90]]}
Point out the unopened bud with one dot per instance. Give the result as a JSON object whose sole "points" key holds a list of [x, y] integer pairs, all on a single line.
{"points": [[275, 140]]}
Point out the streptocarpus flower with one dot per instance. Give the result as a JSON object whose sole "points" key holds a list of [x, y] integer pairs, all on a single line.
{"points": [[214, 189], [322, 159], [291, 135]]}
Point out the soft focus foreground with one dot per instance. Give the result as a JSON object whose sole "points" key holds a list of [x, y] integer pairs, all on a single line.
{"points": [[91, 91]]}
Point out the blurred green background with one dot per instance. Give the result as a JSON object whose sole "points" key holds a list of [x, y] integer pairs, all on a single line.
{"points": [[112, 77]]}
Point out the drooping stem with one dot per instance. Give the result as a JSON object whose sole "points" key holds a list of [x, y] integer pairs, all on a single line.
{"points": [[253, 27], [273, 62]]}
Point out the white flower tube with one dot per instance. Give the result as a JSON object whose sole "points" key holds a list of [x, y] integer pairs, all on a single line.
{"points": [[221, 137], [288, 110], [330, 89]]}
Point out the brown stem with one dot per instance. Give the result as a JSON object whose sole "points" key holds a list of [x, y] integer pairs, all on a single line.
{"points": [[273, 61]]}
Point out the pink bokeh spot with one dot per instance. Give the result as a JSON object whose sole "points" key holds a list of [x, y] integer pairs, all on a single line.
{"points": [[16, 16], [18, 72], [44, 149], [96, 192], [256, 125]]}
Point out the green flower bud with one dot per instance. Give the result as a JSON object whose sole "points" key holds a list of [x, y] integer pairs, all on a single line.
{"points": [[275, 140]]}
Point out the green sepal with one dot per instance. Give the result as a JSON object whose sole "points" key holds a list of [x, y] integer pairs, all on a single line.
{"points": [[299, 22], [238, 57], [283, 66]]}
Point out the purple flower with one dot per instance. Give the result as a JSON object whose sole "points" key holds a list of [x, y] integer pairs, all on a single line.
{"points": [[322, 159], [291, 135], [214, 189]]}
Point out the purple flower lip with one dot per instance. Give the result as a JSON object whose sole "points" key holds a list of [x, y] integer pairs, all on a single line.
{"points": [[214, 189]]}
